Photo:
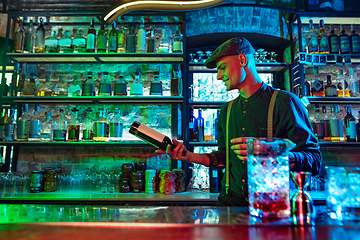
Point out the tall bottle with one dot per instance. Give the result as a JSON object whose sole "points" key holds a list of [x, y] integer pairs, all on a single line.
{"points": [[46, 132], [334, 42], [100, 127], [60, 127], [2, 123], [350, 126], [87, 126], [334, 124], [355, 40], [150, 42], [136, 87], [345, 46], [22, 131], [90, 38], [317, 84], [176, 84], [10, 127], [14, 80], [29, 38], [343, 86], [35, 124], [120, 87], [105, 85], [141, 37], [40, 38], [200, 126], [177, 44], [358, 128], [113, 39], [88, 86], [215, 180], [102, 39], [192, 127], [208, 132], [121, 38], [156, 85], [131, 41], [323, 39], [319, 124], [52, 43], [79, 43], [116, 127], [73, 126], [353, 84], [313, 43], [29, 86], [164, 43], [327, 128], [215, 123], [19, 38]]}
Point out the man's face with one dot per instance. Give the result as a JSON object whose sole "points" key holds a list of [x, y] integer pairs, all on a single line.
{"points": [[230, 71]]}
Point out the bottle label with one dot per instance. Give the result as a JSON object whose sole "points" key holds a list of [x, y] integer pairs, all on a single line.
{"points": [[334, 128], [79, 45], [318, 85], [331, 92], [121, 39], [90, 42], [334, 44], [116, 130], [112, 43], [313, 44], [151, 133], [355, 44], [324, 44], [33, 129], [350, 131], [191, 125], [141, 40], [88, 89], [178, 46], [65, 46], [214, 173], [51, 46], [59, 135], [101, 42], [345, 44]]}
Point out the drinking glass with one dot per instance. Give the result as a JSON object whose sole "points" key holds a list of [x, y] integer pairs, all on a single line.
{"points": [[268, 177]]}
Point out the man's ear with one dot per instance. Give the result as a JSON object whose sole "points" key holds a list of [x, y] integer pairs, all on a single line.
{"points": [[242, 59]]}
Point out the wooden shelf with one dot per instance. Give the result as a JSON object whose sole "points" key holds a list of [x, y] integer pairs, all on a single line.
{"points": [[339, 100], [260, 67]]}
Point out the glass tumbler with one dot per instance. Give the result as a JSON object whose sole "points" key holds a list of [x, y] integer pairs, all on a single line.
{"points": [[268, 177]]}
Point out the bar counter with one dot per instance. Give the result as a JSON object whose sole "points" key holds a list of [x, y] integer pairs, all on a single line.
{"points": [[161, 222]]}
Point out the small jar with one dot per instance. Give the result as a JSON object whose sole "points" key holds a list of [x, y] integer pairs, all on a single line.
{"points": [[125, 186]]}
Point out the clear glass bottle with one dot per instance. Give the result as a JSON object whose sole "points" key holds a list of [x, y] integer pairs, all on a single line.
{"points": [[156, 85], [164, 43], [200, 126], [353, 84], [343, 86], [90, 38], [87, 126], [150, 41], [52, 43], [29, 38], [79, 43], [29, 86], [313, 43], [136, 87], [131, 41], [60, 127], [334, 42], [46, 132], [105, 85], [317, 85], [88, 87], [73, 126], [323, 39], [355, 40], [345, 46], [121, 38], [177, 44], [113, 39], [65, 43], [46, 89], [10, 127], [120, 87], [21, 82], [60, 89], [208, 132], [19, 38], [100, 127], [40, 38], [350, 126], [35, 124], [141, 37], [102, 39], [116, 127], [14, 80], [22, 131]]}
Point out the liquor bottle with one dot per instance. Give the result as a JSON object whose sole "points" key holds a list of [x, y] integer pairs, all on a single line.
{"points": [[48, 28], [215, 180], [164, 43], [355, 40], [313, 43], [176, 84], [73, 126], [120, 87], [136, 87], [334, 42], [90, 38], [87, 126], [52, 43], [353, 84], [102, 38], [177, 44], [334, 124], [65, 43], [121, 38], [79, 43], [74, 87], [113, 39], [14, 80], [358, 128], [10, 127], [327, 128], [141, 37], [88, 86], [156, 85], [151, 41], [29, 38], [317, 85], [350, 126], [343, 86], [345, 46], [60, 88], [40, 38], [22, 131], [60, 127], [19, 38], [341, 116], [35, 124], [318, 124], [99, 127], [46, 89], [116, 127], [200, 126], [192, 127], [323, 39], [105, 85], [29, 86], [131, 41], [215, 123], [208, 132], [330, 89], [46, 132], [2, 123], [21, 82]]}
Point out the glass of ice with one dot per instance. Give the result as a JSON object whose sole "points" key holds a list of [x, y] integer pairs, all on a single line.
{"points": [[343, 192], [268, 177]]}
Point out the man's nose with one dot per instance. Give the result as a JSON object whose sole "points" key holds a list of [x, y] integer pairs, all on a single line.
{"points": [[219, 76]]}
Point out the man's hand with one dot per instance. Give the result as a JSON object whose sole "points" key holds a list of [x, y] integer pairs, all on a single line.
{"points": [[177, 153], [240, 147]]}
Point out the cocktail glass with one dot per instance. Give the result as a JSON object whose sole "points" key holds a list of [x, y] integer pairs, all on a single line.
{"points": [[268, 177]]}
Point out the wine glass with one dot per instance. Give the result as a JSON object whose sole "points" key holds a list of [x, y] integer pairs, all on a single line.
{"points": [[200, 56], [192, 57]]}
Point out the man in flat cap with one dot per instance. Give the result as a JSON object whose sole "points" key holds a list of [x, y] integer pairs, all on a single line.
{"points": [[249, 118]]}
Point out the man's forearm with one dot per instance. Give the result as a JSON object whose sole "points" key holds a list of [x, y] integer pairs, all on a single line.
{"points": [[202, 159]]}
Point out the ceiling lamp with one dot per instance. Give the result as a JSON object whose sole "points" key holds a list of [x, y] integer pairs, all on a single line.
{"points": [[124, 6]]}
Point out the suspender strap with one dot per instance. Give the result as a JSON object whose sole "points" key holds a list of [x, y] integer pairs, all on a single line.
{"points": [[227, 184], [271, 115]]}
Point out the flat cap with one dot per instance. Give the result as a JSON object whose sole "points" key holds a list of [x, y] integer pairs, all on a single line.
{"points": [[233, 46]]}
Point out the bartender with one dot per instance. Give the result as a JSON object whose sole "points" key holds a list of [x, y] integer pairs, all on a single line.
{"points": [[248, 118]]}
